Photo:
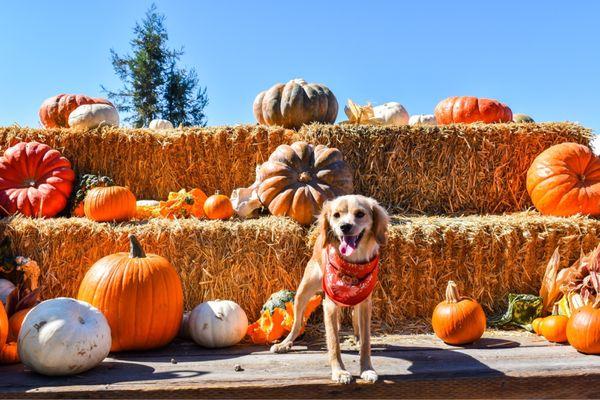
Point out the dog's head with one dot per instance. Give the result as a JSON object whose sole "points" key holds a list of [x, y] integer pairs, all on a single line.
{"points": [[354, 223]]}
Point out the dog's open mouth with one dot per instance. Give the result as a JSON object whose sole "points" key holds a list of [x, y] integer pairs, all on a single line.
{"points": [[349, 243]]}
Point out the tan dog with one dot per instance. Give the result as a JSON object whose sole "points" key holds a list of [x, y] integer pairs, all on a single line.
{"points": [[354, 227]]}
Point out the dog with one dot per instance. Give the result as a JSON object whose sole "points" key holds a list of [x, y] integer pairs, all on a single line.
{"points": [[352, 229]]}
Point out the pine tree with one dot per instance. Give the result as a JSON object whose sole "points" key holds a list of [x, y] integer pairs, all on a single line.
{"points": [[153, 85]]}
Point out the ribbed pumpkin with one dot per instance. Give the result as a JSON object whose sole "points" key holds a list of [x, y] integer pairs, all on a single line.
{"points": [[218, 206], [554, 328], [583, 329], [4, 326], [16, 321], [35, 180], [467, 109], [140, 295], [458, 320], [565, 180], [109, 204], [54, 111], [295, 103], [298, 179]]}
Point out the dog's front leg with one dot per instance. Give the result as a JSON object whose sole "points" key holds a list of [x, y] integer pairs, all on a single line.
{"points": [[364, 330], [331, 316]]}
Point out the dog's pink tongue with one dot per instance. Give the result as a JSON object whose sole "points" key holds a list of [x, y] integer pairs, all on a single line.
{"points": [[348, 245]]}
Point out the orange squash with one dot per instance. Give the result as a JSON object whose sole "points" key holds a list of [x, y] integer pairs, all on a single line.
{"points": [[139, 294], [218, 206], [467, 109], [554, 328], [9, 354], [583, 329], [110, 204], [565, 180], [458, 320]]}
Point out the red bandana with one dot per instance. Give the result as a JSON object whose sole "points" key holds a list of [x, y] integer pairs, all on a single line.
{"points": [[348, 284]]}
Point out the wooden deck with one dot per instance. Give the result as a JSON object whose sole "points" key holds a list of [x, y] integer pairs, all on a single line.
{"points": [[417, 366]]}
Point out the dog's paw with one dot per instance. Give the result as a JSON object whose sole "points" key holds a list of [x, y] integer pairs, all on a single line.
{"points": [[282, 347], [369, 375], [341, 376]]}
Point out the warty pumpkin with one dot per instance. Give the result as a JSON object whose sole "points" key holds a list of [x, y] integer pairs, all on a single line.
{"points": [[467, 109], [140, 294], [218, 206], [565, 180], [458, 320], [583, 328], [35, 180], [297, 179], [54, 111], [294, 104], [109, 204]]}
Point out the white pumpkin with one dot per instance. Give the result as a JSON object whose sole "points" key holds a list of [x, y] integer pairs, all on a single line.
{"points": [[90, 116], [218, 323], [422, 119], [157, 124], [6, 287], [391, 113], [595, 144], [63, 336]]}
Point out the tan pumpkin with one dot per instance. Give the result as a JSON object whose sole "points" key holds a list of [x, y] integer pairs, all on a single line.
{"points": [[298, 179], [295, 103]]}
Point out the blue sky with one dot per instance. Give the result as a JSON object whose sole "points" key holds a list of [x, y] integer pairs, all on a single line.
{"points": [[539, 57]]}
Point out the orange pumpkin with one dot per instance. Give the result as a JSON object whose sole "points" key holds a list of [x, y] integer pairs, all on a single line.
{"points": [[565, 180], [458, 320], [54, 111], [9, 354], [554, 328], [535, 325], [110, 204], [15, 321], [139, 294], [4, 327], [468, 109], [583, 329], [268, 328], [218, 206]]}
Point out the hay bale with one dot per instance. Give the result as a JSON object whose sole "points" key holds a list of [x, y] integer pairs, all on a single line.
{"points": [[489, 256], [420, 169], [445, 169]]}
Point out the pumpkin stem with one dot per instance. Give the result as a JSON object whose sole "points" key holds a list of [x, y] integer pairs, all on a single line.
{"points": [[135, 249], [452, 295]]}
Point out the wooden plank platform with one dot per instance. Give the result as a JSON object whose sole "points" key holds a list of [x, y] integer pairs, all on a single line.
{"points": [[502, 365]]}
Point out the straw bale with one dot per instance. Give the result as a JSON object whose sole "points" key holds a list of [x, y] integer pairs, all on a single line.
{"points": [[245, 261]]}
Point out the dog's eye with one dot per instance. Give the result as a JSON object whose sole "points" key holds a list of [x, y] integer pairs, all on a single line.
{"points": [[336, 215], [359, 214]]}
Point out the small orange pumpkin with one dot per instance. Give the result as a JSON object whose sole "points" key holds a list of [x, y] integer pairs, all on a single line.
{"points": [[554, 328], [583, 329], [218, 206], [9, 354], [15, 321], [110, 204], [458, 320], [535, 325], [139, 294]]}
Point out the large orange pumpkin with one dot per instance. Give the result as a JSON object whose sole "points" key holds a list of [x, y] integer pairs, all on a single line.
{"points": [[54, 111], [139, 294], [565, 180], [4, 326], [467, 109], [35, 180], [109, 204], [458, 320], [583, 329]]}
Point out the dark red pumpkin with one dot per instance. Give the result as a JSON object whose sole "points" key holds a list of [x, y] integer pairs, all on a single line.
{"points": [[35, 180], [54, 112]]}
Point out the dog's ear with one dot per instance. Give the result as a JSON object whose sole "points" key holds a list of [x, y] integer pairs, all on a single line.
{"points": [[380, 222], [324, 228]]}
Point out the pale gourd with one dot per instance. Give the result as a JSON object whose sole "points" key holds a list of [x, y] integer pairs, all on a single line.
{"points": [[391, 113], [422, 119], [63, 336], [90, 116], [158, 124], [6, 287], [218, 323]]}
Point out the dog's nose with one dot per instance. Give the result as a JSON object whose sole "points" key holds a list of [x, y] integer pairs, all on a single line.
{"points": [[346, 228]]}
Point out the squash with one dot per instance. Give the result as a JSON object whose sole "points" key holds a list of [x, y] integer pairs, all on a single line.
{"points": [[218, 206], [63, 336], [522, 119], [85, 183], [391, 113], [145, 209], [554, 328], [6, 287], [297, 179], [54, 111], [468, 109], [458, 320], [564, 180], [4, 326], [535, 325], [219, 323], [183, 204], [583, 329], [110, 204], [294, 104], [140, 295], [159, 124], [9, 354], [422, 119], [91, 116], [35, 180]]}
